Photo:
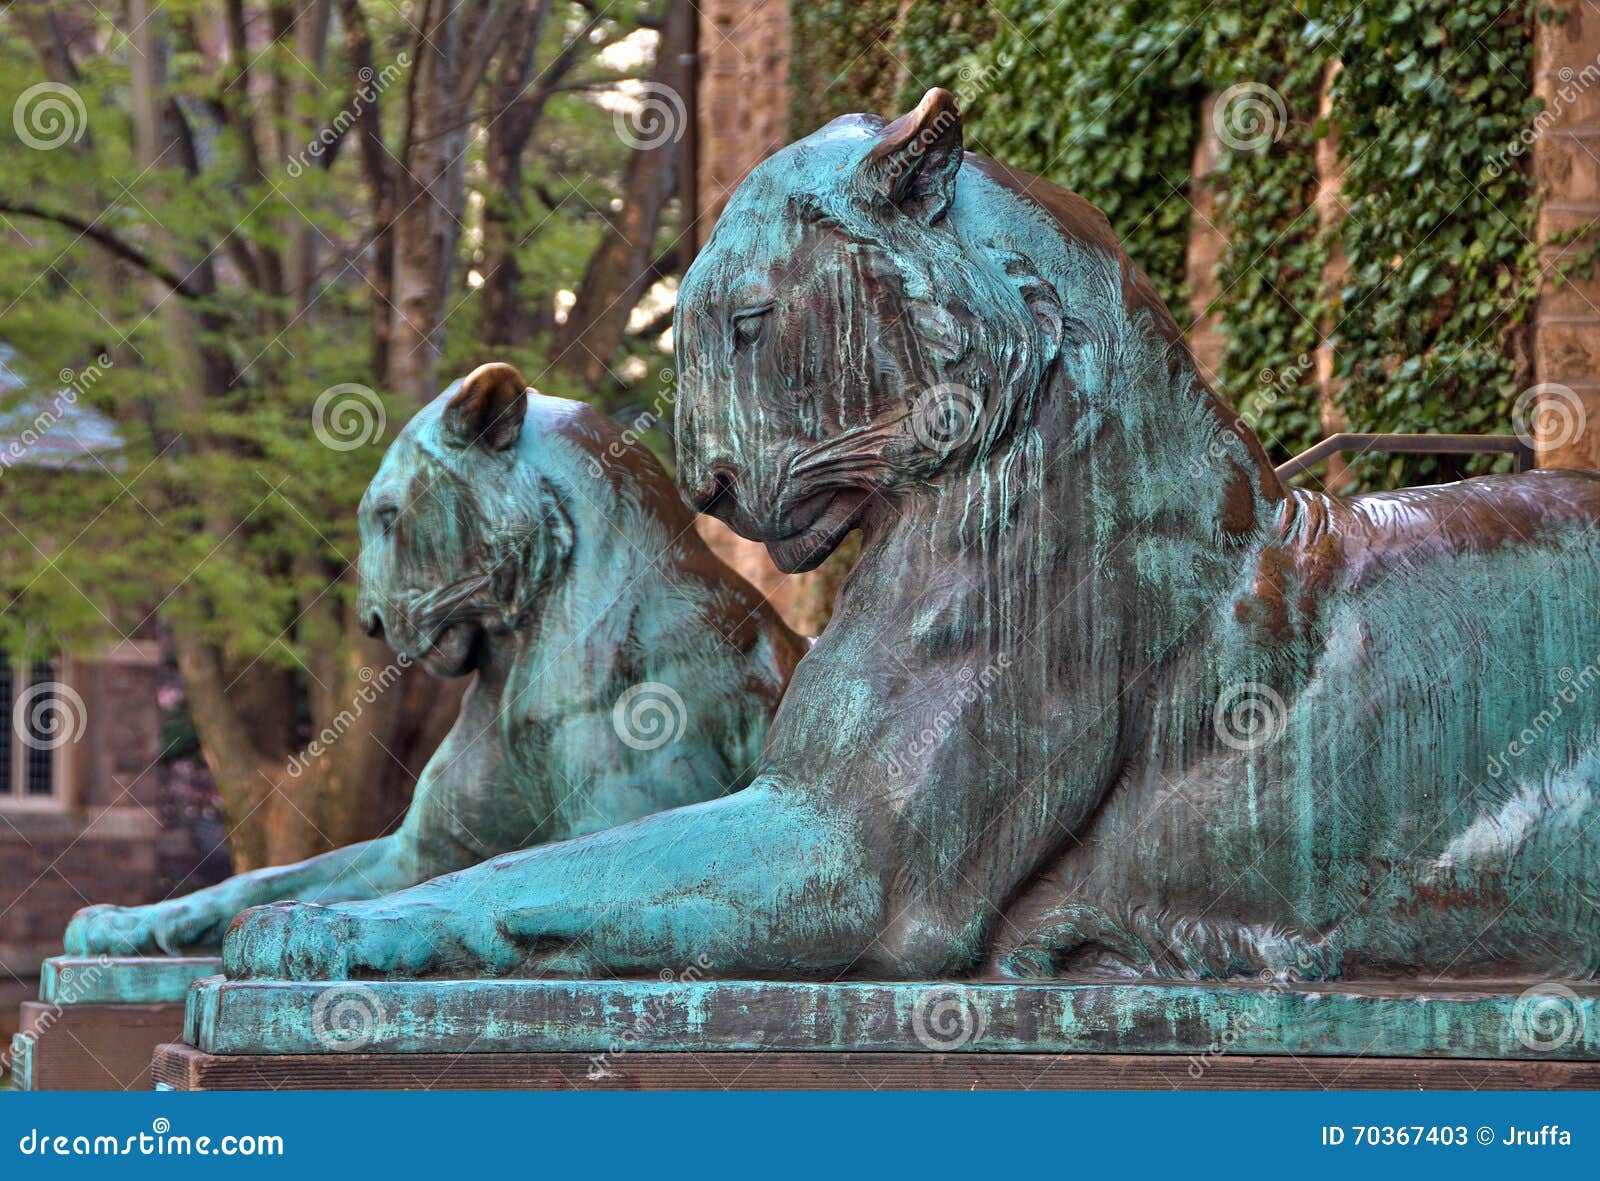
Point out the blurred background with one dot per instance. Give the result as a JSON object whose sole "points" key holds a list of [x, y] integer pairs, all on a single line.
{"points": [[241, 242]]}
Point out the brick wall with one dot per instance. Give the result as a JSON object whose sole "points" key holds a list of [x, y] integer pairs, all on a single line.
{"points": [[1566, 161], [101, 843]]}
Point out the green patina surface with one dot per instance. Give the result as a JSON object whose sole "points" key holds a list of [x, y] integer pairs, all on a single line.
{"points": [[1101, 696], [612, 1017], [618, 668], [21, 1062], [121, 980]]}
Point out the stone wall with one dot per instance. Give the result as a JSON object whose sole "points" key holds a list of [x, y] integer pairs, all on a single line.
{"points": [[1566, 161]]}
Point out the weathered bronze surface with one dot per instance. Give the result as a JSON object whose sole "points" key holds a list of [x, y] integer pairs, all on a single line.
{"points": [[619, 667], [613, 1018], [1102, 695]]}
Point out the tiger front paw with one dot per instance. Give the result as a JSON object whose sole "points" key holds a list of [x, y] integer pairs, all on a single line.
{"points": [[288, 941], [164, 928]]}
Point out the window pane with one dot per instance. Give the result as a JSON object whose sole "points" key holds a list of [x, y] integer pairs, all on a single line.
{"points": [[48, 722]]}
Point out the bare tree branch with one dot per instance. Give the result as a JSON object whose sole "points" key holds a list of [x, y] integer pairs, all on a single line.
{"points": [[95, 233]]}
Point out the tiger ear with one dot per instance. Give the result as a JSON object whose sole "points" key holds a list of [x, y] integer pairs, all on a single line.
{"points": [[913, 165], [487, 411]]}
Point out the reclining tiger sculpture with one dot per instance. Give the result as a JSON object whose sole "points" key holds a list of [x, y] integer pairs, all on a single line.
{"points": [[620, 667], [1101, 696]]}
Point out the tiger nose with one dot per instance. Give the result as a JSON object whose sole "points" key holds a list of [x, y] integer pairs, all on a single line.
{"points": [[717, 491]]}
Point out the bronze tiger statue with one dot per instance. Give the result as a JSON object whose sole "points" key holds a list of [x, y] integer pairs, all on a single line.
{"points": [[1102, 695], [619, 668]]}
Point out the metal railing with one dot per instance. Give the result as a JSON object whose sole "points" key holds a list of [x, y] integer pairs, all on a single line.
{"points": [[1411, 445]]}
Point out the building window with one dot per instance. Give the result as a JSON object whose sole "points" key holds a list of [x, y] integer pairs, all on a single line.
{"points": [[32, 705]]}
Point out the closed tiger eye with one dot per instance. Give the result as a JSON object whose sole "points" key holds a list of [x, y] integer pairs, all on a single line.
{"points": [[748, 329]]}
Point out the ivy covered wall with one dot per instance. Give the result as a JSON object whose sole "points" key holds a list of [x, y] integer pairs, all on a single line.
{"points": [[1420, 274]]}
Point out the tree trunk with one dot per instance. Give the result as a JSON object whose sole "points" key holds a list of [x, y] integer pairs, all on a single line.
{"points": [[620, 267], [504, 320]]}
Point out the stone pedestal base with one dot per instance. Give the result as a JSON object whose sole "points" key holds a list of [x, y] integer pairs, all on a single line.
{"points": [[90, 1047], [98, 1020], [184, 1068], [611, 1018], [755, 1034]]}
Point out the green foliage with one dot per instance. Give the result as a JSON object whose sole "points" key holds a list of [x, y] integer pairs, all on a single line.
{"points": [[1098, 97], [1435, 221], [842, 60], [1442, 254], [227, 514]]}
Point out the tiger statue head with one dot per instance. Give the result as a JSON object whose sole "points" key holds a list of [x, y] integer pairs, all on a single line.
{"points": [[494, 498], [461, 526], [878, 311]]}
